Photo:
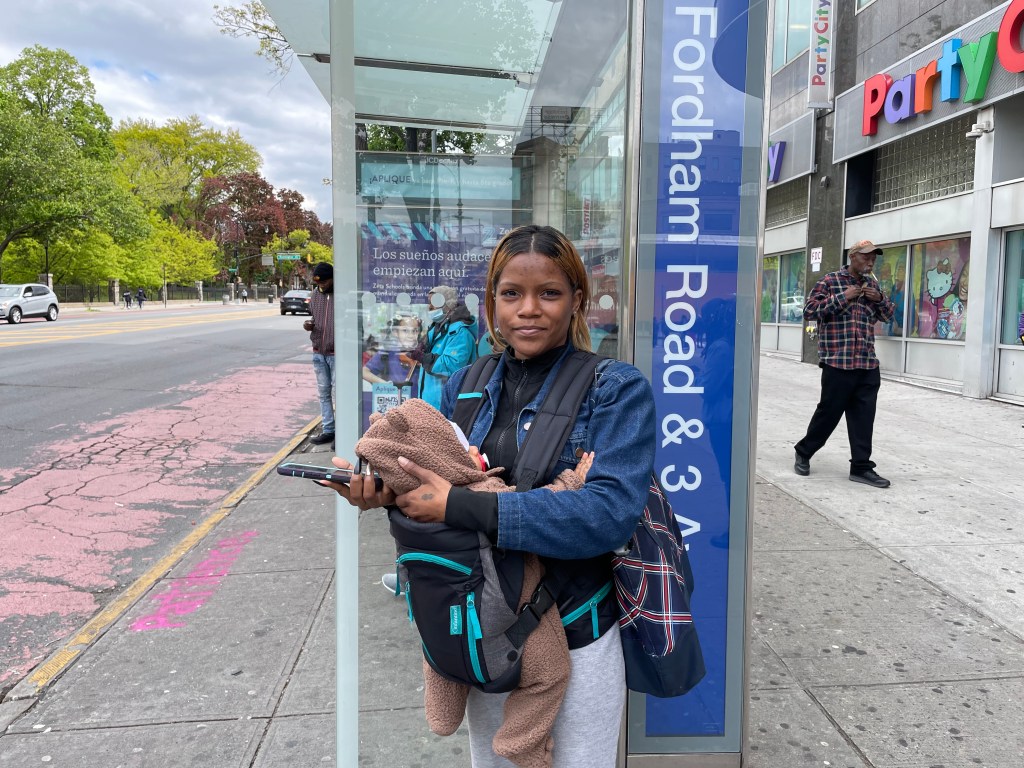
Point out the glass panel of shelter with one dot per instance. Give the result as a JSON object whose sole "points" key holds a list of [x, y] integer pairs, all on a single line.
{"points": [[433, 219]]}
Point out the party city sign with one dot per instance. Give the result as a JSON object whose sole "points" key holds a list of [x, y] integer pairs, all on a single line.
{"points": [[967, 64]]}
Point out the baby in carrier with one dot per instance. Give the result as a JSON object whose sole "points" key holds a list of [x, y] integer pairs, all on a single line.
{"points": [[420, 433]]}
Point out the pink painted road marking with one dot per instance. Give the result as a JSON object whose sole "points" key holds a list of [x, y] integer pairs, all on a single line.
{"points": [[76, 519], [187, 595]]}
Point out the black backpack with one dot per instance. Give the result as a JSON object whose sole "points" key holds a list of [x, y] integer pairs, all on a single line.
{"points": [[464, 593], [479, 642]]}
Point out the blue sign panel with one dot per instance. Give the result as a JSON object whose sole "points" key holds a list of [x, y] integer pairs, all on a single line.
{"points": [[706, 158]]}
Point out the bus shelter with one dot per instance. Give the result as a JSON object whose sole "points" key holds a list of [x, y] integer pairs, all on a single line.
{"points": [[634, 126]]}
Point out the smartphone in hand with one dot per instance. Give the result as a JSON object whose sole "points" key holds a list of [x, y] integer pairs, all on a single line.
{"points": [[317, 472]]}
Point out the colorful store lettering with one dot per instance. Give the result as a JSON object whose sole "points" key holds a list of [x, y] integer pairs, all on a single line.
{"points": [[909, 96]]}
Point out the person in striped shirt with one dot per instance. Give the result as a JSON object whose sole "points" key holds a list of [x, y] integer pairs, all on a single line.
{"points": [[846, 305]]}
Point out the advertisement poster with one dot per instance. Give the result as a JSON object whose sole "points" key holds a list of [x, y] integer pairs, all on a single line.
{"points": [[891, 271], [941, 286], [427, 221]]}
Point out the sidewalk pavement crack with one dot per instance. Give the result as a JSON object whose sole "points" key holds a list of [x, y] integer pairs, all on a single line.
{"points": [[288, 676], [839, 729]]}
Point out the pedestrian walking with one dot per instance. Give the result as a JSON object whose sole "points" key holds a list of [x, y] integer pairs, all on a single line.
{"points": [[846, 305], [140, 297], [245, 296], [321, 332], [536, 309], [127, 296]]}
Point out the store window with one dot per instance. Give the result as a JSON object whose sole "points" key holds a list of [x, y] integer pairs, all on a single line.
{"points": [[1013, 290], [792, 33], [791, 288], [862, 4], [770, 290], [939, 278], [891, 271]]}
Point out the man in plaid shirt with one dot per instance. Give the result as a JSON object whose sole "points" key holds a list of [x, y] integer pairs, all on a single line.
{"points": [[846, 305]]}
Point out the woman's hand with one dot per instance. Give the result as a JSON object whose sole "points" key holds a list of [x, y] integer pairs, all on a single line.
{"points": [[360, 492], [425, 504]]}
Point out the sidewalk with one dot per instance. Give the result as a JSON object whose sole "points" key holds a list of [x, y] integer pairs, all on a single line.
{"points": [[887, 626], [78, 308]]}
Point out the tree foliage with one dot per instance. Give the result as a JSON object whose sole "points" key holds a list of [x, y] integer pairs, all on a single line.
{"points": [[56, 177], [52, 86], [252, 20], [165, 165], [92, 204], [186, 255]]}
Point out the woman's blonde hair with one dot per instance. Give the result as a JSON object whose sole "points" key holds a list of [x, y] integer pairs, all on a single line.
{"points": [[545, 241]]}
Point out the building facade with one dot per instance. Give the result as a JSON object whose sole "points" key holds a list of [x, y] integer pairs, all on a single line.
{"points": [[919, 148]]}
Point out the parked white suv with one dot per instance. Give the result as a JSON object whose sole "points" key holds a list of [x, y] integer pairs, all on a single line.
{"points": [[27, 300]]}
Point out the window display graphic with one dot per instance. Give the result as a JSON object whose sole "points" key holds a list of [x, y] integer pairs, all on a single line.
{"points": [[891, 272], [941, 281]]}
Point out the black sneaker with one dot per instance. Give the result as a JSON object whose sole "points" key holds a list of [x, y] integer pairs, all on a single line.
{"points": [[323, 437], [870, 477], [802, 465]]}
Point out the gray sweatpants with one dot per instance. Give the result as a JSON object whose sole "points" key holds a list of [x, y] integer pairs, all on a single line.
{"points": [[587, 729]]}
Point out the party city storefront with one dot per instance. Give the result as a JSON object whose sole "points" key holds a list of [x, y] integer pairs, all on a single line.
{"points": [[930, 153]]}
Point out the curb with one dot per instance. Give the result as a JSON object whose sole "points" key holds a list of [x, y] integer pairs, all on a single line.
{"points": [[59, 661]]}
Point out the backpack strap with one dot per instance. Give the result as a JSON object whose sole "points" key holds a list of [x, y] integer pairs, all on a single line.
{"points": [[471, 396], [554, 420]]}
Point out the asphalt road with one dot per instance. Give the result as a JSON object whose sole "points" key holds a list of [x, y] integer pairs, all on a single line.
{"points": [[119, 430]]}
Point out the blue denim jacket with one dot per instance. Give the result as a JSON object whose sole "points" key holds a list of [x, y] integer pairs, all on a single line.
{"points": [[617, 422]]}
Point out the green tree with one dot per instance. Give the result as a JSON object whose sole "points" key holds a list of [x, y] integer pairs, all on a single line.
{"points": [[165, 166], [55, 88], [52, 187], [187, 256], [253, 20], [297, 241]]}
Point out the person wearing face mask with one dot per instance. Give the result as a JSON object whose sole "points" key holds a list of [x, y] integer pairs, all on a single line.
{"points": [[846, 305], [448, 345]]}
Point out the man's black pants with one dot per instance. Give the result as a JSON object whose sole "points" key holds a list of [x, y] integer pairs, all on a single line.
{"points": [[855, 393]]}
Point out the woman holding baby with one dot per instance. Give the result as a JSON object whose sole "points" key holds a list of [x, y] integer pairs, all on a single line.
{"points": [[536, 308]]}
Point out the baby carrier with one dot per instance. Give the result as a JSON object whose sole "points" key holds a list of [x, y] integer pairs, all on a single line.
{"points": [[463, 593]]}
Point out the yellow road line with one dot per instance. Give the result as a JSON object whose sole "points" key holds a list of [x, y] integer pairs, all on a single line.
{"points": [[58, 662], [143, 324]]}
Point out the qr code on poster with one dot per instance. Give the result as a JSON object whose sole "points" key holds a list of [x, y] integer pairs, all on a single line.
{"points": [[386, 396]]}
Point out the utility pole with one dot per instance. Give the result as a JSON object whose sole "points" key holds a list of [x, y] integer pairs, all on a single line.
{"points": [[165, 286]]}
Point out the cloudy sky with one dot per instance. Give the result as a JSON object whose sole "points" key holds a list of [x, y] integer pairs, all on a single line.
{"points": [[161, 59]]}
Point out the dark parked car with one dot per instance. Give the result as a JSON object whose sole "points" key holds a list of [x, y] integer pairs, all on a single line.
{"points": [[295, 302]]}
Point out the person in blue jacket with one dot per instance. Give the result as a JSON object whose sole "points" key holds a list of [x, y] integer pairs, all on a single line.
{"points": [[449, 344], [536, 308]]}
